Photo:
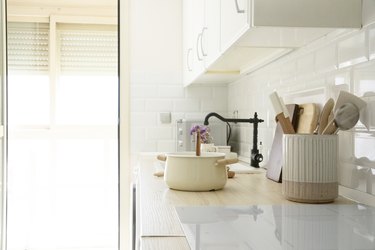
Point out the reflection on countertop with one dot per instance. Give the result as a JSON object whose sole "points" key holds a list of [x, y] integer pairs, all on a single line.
{"points": [[279, 226]]}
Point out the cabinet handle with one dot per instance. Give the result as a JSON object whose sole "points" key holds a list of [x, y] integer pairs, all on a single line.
{"points": [[202, 47], [197, 47], [187, 59], [238, 7]]}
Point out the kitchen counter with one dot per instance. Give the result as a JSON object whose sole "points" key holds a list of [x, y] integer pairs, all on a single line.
{"points": [[158, 225]]}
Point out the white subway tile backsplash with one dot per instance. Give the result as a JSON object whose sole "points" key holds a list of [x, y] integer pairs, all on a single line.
{"points": [[370, 113], [220, 93], [166, 146], [352, 50], [196, 116], [138, 133], [160, 77], [338, 80], [186, 105], [294, 88], [199, 92], [143, 119], [371, 36], [275, 83], [137, 105], [143, 91], [144, 146], [159, 133], [167, 91], [178, 116], [326, 59], [288, 71], [364, 79], [314, 95], [214, 105], [159, 105], [364, 145], [305, 66]]}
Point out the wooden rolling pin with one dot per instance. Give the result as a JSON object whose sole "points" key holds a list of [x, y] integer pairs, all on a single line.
{"points": [[198, 144]]}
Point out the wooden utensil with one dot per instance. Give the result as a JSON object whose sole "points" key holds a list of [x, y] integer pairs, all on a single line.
{"points": [[327, 109], [308, 118], [346, 117]]}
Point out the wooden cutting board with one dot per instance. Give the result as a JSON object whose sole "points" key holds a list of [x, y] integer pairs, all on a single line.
{"points": [[308, 118], [274, 164]]}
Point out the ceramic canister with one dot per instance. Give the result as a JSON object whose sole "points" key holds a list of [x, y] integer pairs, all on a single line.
{"points": [[310, 168]]}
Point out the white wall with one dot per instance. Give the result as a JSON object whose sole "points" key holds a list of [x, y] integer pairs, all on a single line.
{"points": [[156, 77], [313, 74]]}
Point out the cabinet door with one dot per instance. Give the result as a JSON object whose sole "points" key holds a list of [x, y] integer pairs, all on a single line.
{"points": [[188, 42], [211, 32], [201, 37], [235, 21], [199, 28]]}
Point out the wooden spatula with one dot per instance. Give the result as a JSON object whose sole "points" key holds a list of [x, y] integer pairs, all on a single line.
{"points": [[326, 111]]}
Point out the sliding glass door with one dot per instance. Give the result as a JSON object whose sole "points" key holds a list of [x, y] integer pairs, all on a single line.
{"points": [[63, 129]]}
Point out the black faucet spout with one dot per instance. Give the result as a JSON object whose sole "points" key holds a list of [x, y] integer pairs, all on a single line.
{"points": [[256, 156], [234, 120], [215, 115]]}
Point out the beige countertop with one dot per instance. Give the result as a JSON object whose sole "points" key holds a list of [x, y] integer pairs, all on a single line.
{"points": [[158, 222]]}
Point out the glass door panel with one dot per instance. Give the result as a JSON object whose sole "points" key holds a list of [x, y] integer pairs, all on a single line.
{"points": [[63, 123]]}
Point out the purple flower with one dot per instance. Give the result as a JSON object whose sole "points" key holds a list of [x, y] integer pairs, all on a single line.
{"points": [[204, 133]]}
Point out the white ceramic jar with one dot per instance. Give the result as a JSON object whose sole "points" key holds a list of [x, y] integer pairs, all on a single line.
{"points": [[310, 168]]}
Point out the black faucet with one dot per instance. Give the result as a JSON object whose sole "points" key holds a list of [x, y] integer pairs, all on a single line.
{"points": [[256, 157]]}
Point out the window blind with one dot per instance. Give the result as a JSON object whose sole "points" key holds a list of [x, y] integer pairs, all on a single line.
{"points": [[87, 51], [28, 47]]}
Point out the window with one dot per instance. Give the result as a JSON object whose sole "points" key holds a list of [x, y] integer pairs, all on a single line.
{"points": [[28, 65]]}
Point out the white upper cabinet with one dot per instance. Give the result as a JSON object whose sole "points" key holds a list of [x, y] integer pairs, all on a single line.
{"points": [[198, 32], [201, 37], [225, 39], [188, 43], [211, 32], [235, 21]]}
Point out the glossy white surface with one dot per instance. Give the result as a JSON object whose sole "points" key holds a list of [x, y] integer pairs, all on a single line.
{"points": [[279, 227]]}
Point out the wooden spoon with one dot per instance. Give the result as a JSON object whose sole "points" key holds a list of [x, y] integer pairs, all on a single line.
{"points": [[323, 121], [346, 117]]}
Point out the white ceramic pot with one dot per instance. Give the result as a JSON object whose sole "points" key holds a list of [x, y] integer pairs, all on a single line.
{"points": [[310, 168], [188, 172]]}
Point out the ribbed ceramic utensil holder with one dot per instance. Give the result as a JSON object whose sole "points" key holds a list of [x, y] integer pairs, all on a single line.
{"points": [[310, 168]]}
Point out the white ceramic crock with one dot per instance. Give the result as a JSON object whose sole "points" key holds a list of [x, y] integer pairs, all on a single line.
{"points": [[188, 172], [310, 168]]}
